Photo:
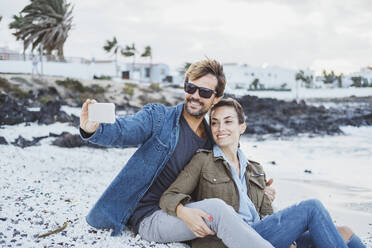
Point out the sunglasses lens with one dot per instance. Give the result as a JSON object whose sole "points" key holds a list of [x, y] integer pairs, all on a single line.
{"points": [[205, 93], [190, 88]]}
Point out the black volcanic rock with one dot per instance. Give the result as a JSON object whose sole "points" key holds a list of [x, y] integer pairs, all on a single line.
{"points": [[22, 142], [12, 113], [3, 141], [277, 117], [72, 140]]}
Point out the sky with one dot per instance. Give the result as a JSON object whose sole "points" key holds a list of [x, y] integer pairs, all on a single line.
{"points": [[305, 34]]}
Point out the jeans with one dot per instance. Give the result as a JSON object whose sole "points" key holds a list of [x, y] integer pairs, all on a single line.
{"points": [[228, 225], [305, 241], [308, 222]]}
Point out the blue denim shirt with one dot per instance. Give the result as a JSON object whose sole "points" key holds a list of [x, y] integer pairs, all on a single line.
{"points": [[155, 130], [247, 210]]}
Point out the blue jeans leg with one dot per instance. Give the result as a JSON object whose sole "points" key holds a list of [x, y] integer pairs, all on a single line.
{"points": [[287, 225], [355, 242], [305, 241]]}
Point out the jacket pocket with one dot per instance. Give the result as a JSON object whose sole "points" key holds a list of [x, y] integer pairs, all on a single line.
{"points": [[217, 186], [258, 180], [154, 151], [213, 179]]}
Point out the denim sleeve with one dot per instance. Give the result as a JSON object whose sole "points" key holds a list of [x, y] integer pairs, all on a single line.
{"points": [[127, 131]]}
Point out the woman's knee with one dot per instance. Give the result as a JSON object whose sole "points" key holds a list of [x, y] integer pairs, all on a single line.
{"points": [[313, 204], [345, 232]]}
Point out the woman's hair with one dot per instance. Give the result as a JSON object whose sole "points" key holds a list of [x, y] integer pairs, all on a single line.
{"points": [[207, 66], [231, 103]]}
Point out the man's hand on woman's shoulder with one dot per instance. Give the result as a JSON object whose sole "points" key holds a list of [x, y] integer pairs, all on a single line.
{"points": [[270, 191]]}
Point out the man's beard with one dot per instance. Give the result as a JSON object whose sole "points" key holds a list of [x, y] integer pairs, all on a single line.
{"points": [[198, 114]]}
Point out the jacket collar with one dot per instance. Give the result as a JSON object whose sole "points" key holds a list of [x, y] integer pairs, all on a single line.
{"points": [[218, 154], [179, 109]]}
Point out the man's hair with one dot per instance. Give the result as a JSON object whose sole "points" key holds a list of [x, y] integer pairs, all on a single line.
{"points": [[207, 66], [231, 103]]}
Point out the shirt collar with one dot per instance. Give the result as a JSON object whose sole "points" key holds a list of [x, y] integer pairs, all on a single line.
{"points": [[218, 153]]}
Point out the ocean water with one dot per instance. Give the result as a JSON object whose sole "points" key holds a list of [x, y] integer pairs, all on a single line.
{"points": [[344, 159]]}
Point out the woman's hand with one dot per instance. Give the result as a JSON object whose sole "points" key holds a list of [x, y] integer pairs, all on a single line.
{"points": [[194, 219], [85, 124], [270, 191]]}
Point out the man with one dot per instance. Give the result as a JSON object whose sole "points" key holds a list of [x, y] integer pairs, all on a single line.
{"points": [[168, 138]]}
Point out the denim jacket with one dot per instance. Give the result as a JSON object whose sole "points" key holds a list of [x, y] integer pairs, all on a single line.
{"points": [[155, 130]]}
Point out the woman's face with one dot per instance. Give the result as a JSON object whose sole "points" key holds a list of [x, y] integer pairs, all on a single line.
{"points": [[225, 127]]}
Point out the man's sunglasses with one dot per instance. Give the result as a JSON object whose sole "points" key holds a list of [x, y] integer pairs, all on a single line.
{"points": [[203, 92]]}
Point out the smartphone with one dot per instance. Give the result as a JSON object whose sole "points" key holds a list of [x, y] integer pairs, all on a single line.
{"points": [[101, 112]]}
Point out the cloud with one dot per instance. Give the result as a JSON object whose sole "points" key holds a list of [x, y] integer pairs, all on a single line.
{"points": [[288, 33]]}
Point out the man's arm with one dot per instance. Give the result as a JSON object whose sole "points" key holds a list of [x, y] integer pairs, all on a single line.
{"points": [[125, 132]]}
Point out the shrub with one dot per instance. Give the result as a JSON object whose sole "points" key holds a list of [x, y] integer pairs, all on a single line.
{"points": [[102, 77], [17, 92], [21, 80], [13, 89], [145, 99], [46, 98], [131, 85], [129, 89], [71, 84], [4, 83], [156, 87], [76, 85], [96, 89]]}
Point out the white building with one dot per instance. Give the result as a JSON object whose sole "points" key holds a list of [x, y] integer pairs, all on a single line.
{"points": [[85, 69], [269, 77], [7, 54], [145, 72], [365, 73]]}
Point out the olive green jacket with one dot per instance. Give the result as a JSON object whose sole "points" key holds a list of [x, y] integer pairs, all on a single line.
{"points": [[207, 176]]}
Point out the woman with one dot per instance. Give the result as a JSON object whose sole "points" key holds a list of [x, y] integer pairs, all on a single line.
{"points": [[226, 174]]}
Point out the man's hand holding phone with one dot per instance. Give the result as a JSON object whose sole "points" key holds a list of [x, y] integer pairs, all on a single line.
{"points": [[93, 113]]}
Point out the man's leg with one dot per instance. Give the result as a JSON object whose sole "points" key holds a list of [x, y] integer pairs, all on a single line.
{"points": [[227, 224], [162, 228], [287, 225]]}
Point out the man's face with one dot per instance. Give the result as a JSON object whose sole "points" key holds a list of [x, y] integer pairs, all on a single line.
{"points": [[197, 106]]}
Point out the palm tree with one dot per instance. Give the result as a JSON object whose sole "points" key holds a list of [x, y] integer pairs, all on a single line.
{"points": [[328, 78], [339, 79], [255, 83], [45, 23], [183, 69], [114, 47], [300, 76], [16, 24], [130, 51], [148, 53]]}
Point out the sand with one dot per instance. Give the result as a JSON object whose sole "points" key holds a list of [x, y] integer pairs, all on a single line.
{"points": [[44, 186]]}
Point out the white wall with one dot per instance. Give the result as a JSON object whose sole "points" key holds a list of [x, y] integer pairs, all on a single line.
{"points": [[270, 76], [75, 70], [85, 71]]}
